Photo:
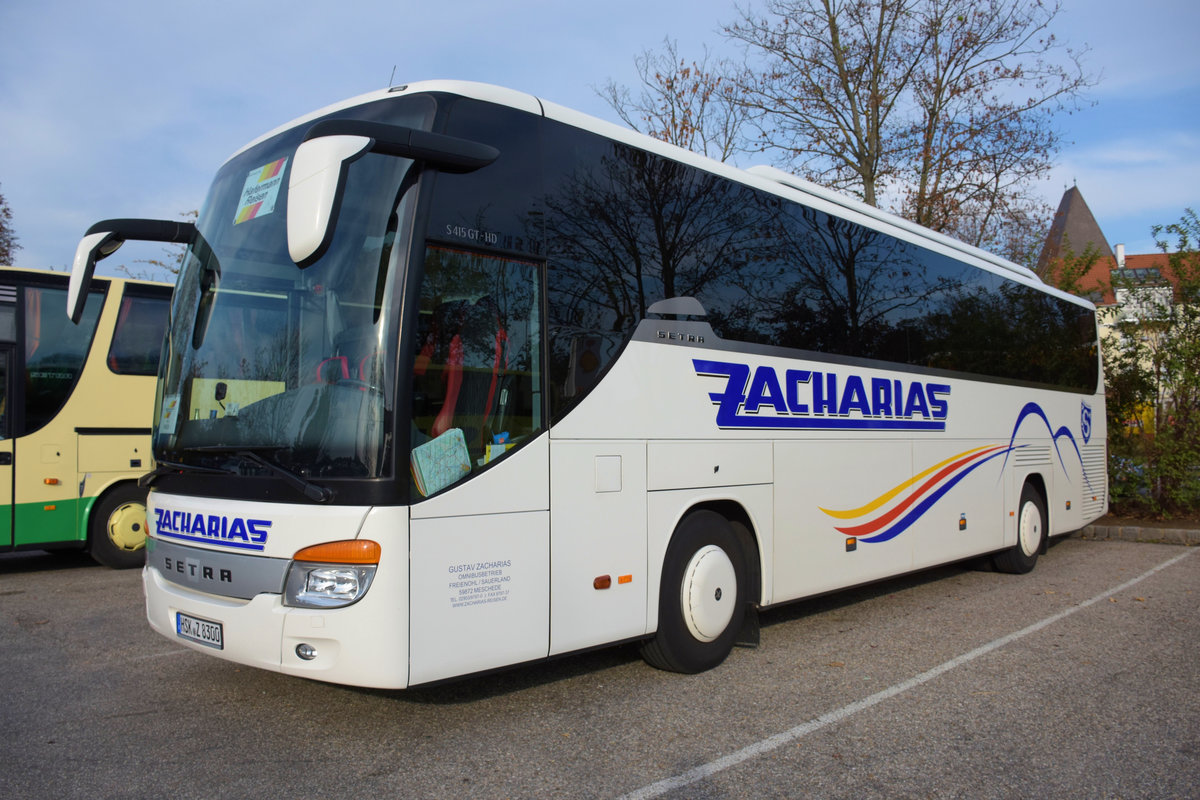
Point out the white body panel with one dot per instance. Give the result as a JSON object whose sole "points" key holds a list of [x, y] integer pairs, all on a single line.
{"points": [[479, 593], [810, 554], [597, 528], [480, 570], [363, 644], [957, 486]]}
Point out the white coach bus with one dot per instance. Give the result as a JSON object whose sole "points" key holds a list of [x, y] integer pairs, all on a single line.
{"points": [[458, 379]]}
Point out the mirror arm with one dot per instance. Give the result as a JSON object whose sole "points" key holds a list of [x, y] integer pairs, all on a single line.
{"points": [[448, 153], [104, 238], [145, 230]]}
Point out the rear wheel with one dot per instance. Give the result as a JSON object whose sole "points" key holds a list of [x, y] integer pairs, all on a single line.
{"points": [[701, 598], [1031, 534], [117, 528]]}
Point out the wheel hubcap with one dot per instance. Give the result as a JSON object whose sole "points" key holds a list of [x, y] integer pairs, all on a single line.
{"points": [[127, 527], [709, 593], [1030, 534]]}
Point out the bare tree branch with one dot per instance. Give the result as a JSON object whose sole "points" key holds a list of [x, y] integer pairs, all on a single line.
{"points": [[690, 104]]}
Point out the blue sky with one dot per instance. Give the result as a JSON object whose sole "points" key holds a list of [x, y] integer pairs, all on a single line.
{"points": [[127, 108]]}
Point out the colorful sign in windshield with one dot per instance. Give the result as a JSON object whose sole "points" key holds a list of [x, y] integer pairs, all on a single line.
{"points": [[260, 191]]}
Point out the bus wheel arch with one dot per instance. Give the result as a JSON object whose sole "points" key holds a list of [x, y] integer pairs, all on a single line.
{"points": [[703, 593], [743, 529], [1033, 526], [116, 526]]}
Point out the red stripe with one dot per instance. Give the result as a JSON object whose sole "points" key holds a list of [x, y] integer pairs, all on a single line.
{"points": [[868, 528]]}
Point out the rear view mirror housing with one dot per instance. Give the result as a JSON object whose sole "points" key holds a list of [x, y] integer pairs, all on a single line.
{"points": [[318, 175], [105, 238]]}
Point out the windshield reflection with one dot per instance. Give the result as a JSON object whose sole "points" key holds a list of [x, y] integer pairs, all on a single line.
{"points": [[271, 367]]}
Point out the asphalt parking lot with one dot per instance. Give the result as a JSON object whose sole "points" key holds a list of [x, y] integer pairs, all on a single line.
{"points": [[1077, 680]]}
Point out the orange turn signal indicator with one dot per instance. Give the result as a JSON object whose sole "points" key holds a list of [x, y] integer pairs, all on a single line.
{"points": [[349, 551], [50, 481]]}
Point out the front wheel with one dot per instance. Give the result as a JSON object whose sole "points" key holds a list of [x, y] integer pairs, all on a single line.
{"points": [[701, 597], [117, 528], [1031, 534]]}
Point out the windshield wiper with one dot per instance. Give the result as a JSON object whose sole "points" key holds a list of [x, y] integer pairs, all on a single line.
{"points": [[312, 491], [167, 467]]}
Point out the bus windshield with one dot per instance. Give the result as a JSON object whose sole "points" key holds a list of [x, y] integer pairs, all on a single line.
{"points": [[270, 362]]}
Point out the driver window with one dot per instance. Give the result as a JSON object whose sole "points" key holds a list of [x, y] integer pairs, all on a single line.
{"points": [[477, 370]]}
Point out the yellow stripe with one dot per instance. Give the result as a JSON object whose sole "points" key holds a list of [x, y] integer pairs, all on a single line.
{"points": [[886, 496]]}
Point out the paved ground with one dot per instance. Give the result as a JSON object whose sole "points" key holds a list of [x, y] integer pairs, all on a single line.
{"points": [[1078, 680]]}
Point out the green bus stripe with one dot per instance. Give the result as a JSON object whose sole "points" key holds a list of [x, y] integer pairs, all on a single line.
{"points": [[51, 521]]}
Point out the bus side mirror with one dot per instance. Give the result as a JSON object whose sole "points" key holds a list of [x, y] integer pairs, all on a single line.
{"points": [[92, 247], [318, 177], [315, 188], [104, 238]]}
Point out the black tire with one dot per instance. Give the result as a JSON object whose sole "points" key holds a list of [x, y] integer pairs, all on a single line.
{"points": [[117, 528], [1031, 534], [702, 596]]}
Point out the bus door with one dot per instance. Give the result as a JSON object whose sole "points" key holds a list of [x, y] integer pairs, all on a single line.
{"points": [[6, 449], [480, 463]]}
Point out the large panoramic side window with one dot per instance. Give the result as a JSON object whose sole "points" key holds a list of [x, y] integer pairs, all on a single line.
{"points": [[477, 365], [55, 351], [625, 229], [138, 337]]}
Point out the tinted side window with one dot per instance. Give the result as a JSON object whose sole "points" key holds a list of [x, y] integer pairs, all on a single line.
{"points": [[1002, 329], [494, 207], [625, 228], [8, 313], [477, 366], [54, 351], [820, 283], [138, 337]]}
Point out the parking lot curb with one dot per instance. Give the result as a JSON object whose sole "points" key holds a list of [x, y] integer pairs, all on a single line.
{"points": [[1135, 533]]}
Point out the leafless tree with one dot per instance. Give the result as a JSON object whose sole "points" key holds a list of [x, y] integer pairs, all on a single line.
{"points": [[690, 104], [941, 109], [828, 85], [990, 80]]}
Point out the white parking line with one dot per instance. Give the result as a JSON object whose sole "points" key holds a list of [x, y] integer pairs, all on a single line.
{"points": [[780, 739]]}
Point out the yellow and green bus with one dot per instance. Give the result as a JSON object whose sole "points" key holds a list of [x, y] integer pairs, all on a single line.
{"points": [[75, 413]]}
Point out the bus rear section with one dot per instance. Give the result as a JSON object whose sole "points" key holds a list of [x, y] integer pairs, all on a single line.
{"points": [[76, 413]]}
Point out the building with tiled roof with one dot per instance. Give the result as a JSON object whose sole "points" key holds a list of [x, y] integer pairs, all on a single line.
{"points": [[1074, 226], [1114, 279]]}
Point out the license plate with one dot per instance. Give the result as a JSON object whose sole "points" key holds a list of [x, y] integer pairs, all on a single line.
{"points": [[203, 631]]}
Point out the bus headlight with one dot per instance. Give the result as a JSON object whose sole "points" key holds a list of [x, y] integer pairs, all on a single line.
{"points": [[326, 585], [331, 575]]}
